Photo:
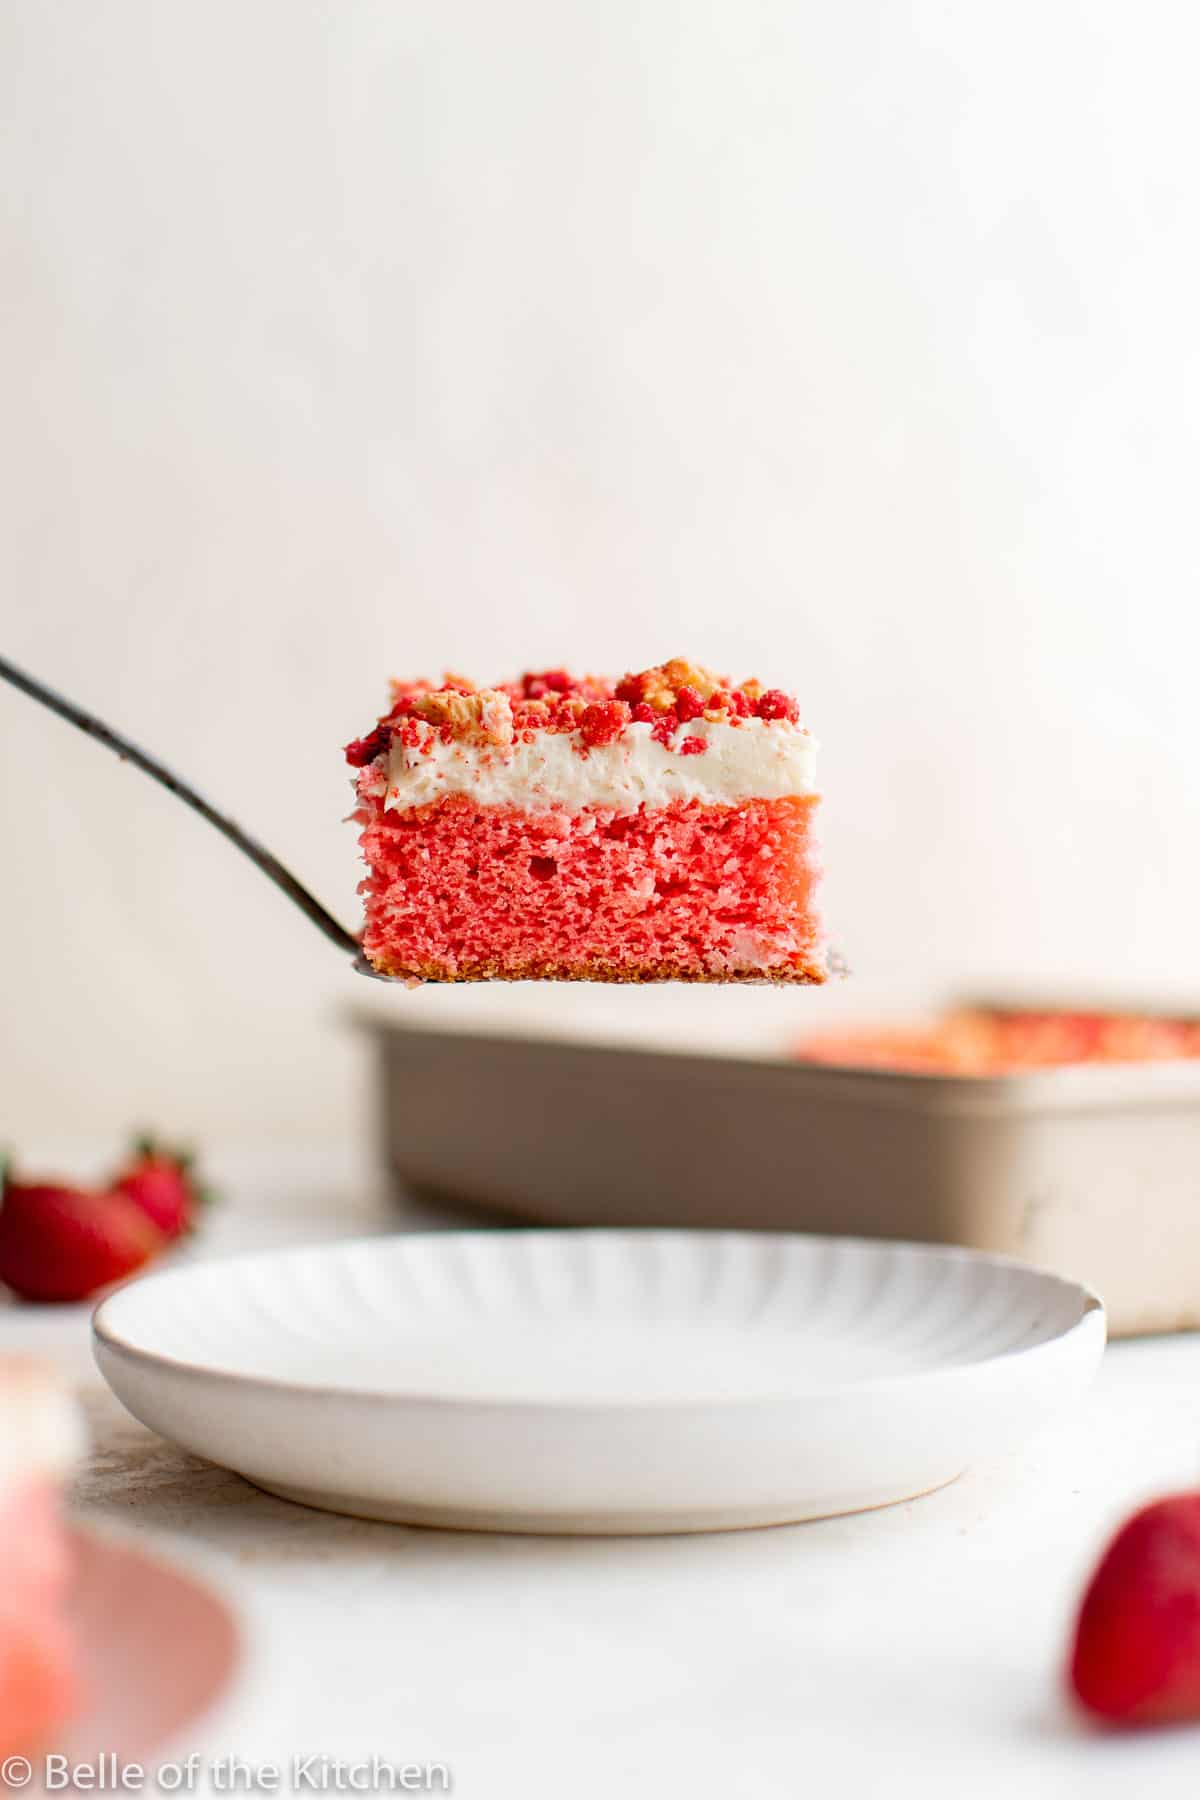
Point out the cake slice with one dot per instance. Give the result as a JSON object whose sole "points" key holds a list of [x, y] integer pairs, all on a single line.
{"points": [[39, 1438], [654, 829]]}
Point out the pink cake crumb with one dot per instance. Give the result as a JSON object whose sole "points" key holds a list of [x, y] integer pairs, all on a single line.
{"points": [[461, 892], [38, 1685]]}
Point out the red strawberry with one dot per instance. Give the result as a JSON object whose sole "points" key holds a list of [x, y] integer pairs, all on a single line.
{"points": [[1136, 1659], [61, 1243], [161, 1183]]}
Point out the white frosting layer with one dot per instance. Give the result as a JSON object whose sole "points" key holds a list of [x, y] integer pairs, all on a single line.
{"points": [[753, 761], [40, 1430]]}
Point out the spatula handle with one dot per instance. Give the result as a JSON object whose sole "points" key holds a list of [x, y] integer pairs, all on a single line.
{"points": [[261, 857]]}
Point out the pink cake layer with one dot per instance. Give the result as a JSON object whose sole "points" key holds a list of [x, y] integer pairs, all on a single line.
{"points": [[688, 892], [37, 1654]]}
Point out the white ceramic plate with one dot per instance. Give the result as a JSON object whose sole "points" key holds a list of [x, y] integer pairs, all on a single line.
{"points": [[617, 1381]]}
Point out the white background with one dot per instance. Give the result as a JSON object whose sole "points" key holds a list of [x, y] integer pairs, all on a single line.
{"points": [[853, 346]]}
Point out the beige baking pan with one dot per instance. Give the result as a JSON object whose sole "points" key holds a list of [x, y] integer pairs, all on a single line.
{"points": [[1092, 1171]]}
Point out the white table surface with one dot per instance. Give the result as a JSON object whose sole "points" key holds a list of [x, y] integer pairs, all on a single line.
{"points": [[912, 1650]]}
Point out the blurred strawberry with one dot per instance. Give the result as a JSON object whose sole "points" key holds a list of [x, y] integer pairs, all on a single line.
{"points": [[1136, 1658], [162, 1183], [62, 1243]]}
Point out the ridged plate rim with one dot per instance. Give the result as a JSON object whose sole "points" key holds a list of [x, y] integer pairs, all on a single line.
{"points": [[107, 1332]]}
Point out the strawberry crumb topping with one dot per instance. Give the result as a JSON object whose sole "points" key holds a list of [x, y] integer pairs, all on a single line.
{"points": [[603, 722], [595, 711], [364, 750], [777, 705]]}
